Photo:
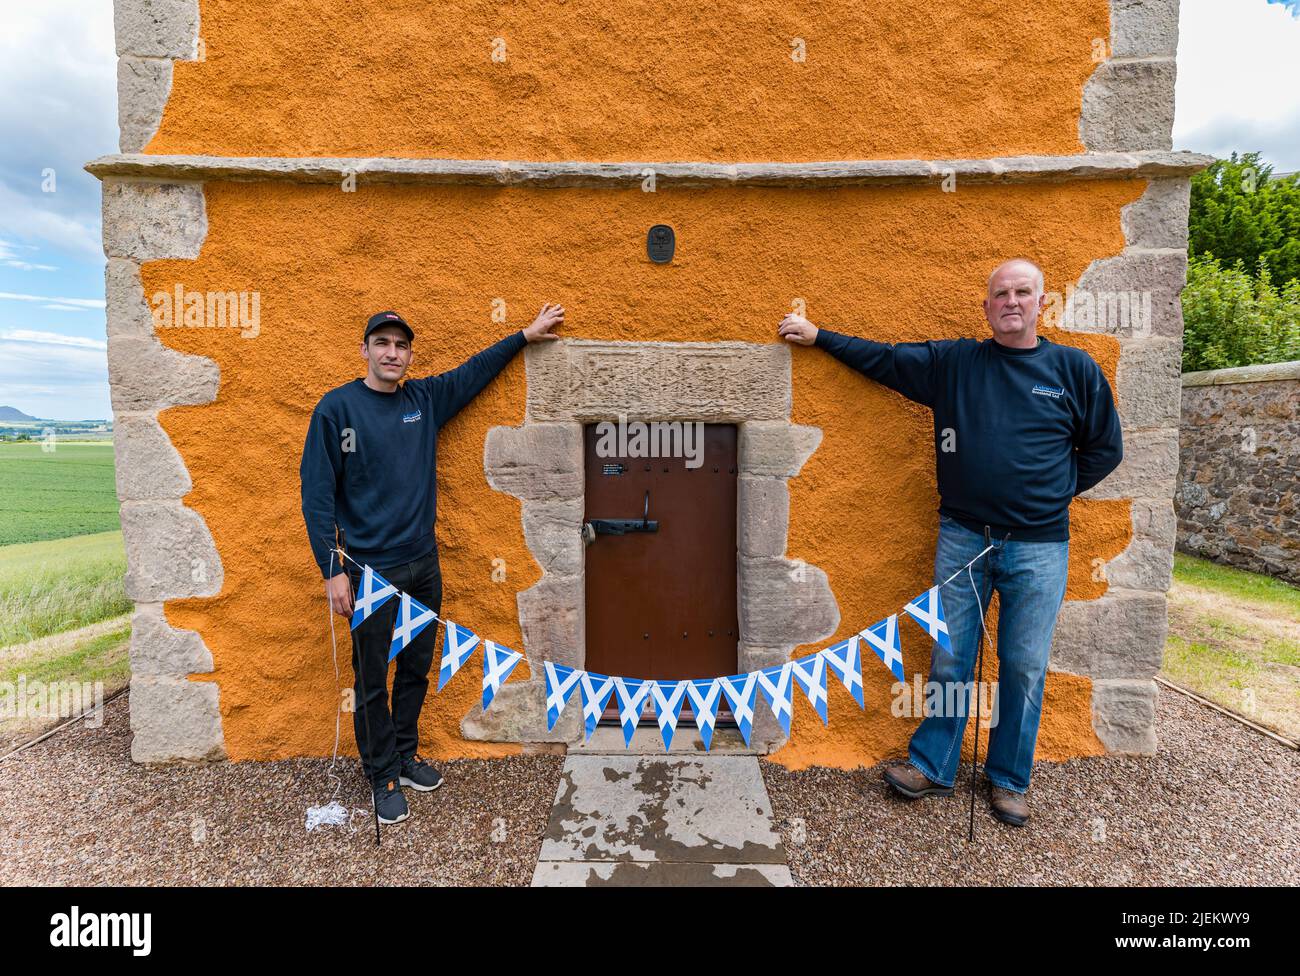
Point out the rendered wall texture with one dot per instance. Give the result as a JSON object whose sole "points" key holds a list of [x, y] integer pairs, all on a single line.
{"points": [[231, 642]]}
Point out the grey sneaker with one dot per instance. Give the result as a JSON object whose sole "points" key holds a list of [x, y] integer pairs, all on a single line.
{"points": [[419, 775], [390, 804]]}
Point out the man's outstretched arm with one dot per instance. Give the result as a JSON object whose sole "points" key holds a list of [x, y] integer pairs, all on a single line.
{"points": [[910, 368], [449, 392]]}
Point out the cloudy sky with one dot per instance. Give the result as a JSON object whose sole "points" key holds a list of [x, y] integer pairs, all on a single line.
{"points": [[1238, 88]]}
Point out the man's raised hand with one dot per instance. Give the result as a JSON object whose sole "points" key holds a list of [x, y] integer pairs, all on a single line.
{"points": [[797, 329], [550, 317]]}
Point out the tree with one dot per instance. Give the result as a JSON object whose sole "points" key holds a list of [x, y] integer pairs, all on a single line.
{"points": [[1234, 318], [1240, 213]]}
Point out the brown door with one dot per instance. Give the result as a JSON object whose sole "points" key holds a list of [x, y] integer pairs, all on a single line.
{"points": [[662, 604]]}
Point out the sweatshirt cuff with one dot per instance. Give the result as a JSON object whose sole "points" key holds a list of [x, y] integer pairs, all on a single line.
{"points": [[825, 338], [516, 341]]}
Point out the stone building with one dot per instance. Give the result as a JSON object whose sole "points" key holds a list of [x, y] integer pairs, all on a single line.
{"points": [[309, 163]]}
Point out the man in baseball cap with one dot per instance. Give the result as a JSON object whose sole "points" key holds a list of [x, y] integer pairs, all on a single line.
{"points": [[369, 478]]}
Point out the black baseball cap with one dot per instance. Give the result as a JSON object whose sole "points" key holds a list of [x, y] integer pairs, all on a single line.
{"points": [[381, 319]]}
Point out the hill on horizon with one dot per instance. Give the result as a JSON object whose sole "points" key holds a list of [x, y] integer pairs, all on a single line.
{"points": [[14, 414]]}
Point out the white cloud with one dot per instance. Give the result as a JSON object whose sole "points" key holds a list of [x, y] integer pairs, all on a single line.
{"points": [[1239, 79], [53, 376], [80, 303], [52, 338]]}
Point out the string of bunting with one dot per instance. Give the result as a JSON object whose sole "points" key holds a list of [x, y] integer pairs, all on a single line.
{"points": [[843, 659]]}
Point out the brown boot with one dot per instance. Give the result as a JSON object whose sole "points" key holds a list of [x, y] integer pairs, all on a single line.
{"points": [[914, 784], [1008, 806]]}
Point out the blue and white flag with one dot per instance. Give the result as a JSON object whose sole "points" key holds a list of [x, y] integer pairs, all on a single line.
{"points": [[458, 644], [668, 697], [632, 695], [560, 682], [498, 662], [596, 689], [777, 685], [372, 593], [883, 638], [705, 694], [810, 672], [927, 610], [412, 617], [742, 692], [845, 660]]}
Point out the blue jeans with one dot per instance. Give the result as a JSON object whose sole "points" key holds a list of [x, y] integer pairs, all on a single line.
{"points": [[1030, 580]]}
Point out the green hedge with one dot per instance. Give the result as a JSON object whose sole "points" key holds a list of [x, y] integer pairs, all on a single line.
{"points": [[1234, 318]]}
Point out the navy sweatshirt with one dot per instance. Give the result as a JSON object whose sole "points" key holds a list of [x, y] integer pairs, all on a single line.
{"points": [[1030, 428], [369, 465]]}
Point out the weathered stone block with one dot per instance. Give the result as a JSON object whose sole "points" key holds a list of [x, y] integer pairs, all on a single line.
{"points": [[1149, 381], [145, 376], [156, 28], [169, 553], [175, 718], [1158, 219], [160, 649], [1149, 468], [148, 221], [553, 614], [518, 714], [784, 602], [536, 461], [1128, 105], [1141, 28], [1120, 635], [776, 450], [763, 516], [1135, 294], [1124, 715], [1148, 562], [127, 313], [553, 531], [143, 85], [148, 466]]}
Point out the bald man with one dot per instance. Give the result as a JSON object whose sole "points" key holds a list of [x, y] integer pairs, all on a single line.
{"points": [[1021, 426]]}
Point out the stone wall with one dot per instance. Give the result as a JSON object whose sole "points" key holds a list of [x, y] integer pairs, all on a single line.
{"points": [[1239, 475]]}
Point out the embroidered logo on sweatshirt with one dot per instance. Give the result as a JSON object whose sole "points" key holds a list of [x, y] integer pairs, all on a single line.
{"points": [[410, 418], [1055, 392]]}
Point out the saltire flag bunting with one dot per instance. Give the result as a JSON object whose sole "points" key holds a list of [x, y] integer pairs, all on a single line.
{"points": [[458, 644], [596, 689], [810, 672], [845, 659], [704, 694], [631, 695], [372, 593], [742, 692], [560, 682], [668, 697], [927, 610], [412, 617], [498, 662], [883, 638], [777, 685]]}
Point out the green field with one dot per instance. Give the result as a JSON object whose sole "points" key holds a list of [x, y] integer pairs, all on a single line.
{"points": [[50, 587], [69, 491]]}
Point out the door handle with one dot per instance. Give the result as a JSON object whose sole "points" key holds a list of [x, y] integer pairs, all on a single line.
{"points": [[597, 527]]}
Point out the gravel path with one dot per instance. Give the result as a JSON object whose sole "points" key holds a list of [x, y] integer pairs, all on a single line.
{"points": [[1220, 804], [75, 810]]}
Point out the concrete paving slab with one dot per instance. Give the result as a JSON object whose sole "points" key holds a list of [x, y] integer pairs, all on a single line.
{"points": [[703, 810], [621, 874]]}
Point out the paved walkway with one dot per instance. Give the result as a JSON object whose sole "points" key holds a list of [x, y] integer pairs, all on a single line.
{"points": [[687, 818]]}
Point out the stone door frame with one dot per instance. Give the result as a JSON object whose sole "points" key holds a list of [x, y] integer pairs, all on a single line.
{"points": [[781, 603]]}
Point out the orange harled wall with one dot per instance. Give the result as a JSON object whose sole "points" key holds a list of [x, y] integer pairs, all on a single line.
{"points": [[904, 79]]}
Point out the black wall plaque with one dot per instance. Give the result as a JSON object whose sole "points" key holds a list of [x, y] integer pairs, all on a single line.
{"points": [[660, 243]]}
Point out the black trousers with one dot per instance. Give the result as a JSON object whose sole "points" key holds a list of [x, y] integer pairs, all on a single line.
{"points": [[387, 735]]}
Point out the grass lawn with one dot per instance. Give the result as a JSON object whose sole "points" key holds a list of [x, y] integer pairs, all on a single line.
{"points": [[49, 587], [1234, 638], [69, 491]]}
